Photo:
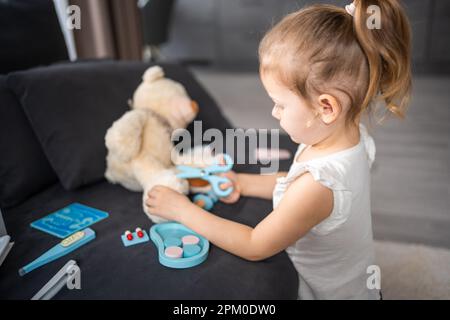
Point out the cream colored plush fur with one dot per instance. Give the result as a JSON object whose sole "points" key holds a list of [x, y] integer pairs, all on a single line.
{"points": [[139, 143]]}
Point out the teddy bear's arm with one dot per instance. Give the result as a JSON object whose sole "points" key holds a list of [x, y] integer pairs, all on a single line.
{"points": [[124, 138]]}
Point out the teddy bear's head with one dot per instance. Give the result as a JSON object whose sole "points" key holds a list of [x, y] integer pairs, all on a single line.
{"points": [[165, 97]]}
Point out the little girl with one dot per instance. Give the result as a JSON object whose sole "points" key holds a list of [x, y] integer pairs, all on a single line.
{"points": [[323, 66]]}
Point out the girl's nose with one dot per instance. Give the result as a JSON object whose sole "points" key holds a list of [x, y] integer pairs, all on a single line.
{"points": [[276, 113]]}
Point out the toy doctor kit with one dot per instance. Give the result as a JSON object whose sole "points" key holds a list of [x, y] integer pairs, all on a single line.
{"points": [[56, 283], [66, 246], [209, 174]]}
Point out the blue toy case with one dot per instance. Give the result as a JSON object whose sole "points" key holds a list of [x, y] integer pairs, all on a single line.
{"points": [[160, 232]]}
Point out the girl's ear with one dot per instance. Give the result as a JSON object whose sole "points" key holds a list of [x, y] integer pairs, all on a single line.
{"points": [[329, 108]]}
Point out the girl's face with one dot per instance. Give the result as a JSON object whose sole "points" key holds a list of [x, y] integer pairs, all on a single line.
{"points": [[300, 121]]}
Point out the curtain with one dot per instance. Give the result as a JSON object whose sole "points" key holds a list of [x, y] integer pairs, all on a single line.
{"points": [[109, 29]]}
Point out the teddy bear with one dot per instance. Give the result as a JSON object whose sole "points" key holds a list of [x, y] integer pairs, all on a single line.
{"points": [[139, 144]]}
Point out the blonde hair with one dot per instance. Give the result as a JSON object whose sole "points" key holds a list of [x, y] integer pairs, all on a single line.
{"points": [[323, 49]]}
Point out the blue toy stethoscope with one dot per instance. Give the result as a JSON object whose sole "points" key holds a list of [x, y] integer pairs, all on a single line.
{"points": [[209, 174]]}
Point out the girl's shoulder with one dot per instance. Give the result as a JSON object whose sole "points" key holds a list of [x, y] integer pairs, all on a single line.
{"points": [[363, 152], [343, 172]]}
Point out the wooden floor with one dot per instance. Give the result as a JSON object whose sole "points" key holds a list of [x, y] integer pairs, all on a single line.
{"points": [[411, 179]]}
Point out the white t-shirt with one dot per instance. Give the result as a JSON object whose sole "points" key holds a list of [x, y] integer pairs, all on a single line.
{"points": [[332, 259]]}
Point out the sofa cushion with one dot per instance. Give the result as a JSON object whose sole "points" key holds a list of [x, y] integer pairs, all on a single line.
{"points": [[71, 106], [24, 169], [111, 271]]}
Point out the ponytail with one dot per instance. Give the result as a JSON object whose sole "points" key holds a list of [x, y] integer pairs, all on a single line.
{"points": [[388, 53]]}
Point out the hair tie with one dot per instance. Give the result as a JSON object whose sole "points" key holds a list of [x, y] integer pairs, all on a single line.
{"points": [[351, 8]]}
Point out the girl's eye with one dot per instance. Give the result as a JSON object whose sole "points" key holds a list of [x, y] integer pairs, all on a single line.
{"points": [[279, 106]]}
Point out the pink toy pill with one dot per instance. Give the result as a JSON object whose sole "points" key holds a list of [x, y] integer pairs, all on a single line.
{"points": [[190, 239], [174, 252]]}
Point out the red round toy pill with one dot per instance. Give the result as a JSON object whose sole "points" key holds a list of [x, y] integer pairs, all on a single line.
{"points": [[139, 232], [129, 235]]}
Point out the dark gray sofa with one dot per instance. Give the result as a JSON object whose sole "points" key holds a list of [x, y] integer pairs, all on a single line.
{"points": [[52, 123]]}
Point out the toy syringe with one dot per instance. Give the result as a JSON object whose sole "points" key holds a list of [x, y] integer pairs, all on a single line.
{"points": [[61, 249]]}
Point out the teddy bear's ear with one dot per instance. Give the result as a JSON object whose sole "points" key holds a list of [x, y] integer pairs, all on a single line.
{"points": [[153, 73]]}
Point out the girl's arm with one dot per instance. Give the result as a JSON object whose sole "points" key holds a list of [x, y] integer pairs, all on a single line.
{"points": [[258, 186], [304, 205], [250, 185]]}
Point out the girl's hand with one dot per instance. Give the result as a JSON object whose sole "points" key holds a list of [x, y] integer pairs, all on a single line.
{"points": [[234, 182], [167, 203]]}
